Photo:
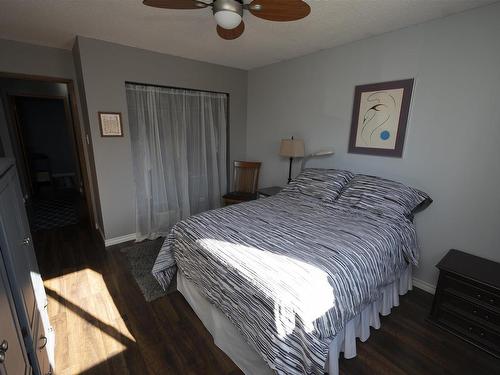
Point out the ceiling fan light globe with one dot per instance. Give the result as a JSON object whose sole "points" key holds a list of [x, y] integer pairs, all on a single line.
{"points": [[227, 19]]}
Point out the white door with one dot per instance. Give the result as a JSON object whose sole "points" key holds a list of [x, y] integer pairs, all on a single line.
{"points": [[13, 357]]}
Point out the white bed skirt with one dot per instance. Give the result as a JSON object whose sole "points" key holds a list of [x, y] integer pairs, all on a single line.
{"points": [[229, 340]]}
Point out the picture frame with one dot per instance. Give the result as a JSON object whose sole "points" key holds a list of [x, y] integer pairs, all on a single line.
{"points": [[110, 124], [379, 118]]}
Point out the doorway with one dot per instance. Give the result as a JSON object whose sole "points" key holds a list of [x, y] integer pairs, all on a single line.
{"points": [[54, 188], [44, 136]]}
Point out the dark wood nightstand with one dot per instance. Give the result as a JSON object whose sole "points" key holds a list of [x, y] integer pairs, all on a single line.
{"points": [[269, 191], [467, 299]]}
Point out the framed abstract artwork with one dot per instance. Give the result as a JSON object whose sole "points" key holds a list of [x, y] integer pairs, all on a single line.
{"points": [[110, 124], [379, 118]]}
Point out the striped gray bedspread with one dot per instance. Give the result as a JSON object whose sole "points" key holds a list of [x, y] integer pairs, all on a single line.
{"points": [[289, 271]]}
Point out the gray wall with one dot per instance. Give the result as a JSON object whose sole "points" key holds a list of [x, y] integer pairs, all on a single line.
{"points": [[104, 68], [26, 58], [451, 148], [88, 139]]}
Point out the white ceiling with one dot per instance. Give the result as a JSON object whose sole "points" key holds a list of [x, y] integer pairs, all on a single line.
{"points": [[191, 33]]}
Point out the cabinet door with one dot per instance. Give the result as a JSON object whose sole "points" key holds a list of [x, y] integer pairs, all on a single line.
{"points": [[22, 269], [16, 246], [14, 360], [43, 334], [24, 229]]}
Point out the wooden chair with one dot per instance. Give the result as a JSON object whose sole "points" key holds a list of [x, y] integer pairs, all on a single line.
{"points": [[245, 182]]}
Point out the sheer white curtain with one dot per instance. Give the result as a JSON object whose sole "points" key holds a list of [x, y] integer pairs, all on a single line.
{"points": [[179, 153]]}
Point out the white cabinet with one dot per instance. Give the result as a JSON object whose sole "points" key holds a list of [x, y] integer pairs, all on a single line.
{"points": [[24, 278]]}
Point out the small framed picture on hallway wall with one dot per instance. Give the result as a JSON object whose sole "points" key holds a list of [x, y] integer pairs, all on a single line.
{"points": [[110, 124], [379, 117]]}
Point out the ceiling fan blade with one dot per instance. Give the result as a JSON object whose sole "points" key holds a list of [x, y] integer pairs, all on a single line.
{"points": [[279, 10], [231, 34], [176, 4]]}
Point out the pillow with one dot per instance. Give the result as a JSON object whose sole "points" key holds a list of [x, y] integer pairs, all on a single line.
{"points": [[320, 183], [384, 197]]}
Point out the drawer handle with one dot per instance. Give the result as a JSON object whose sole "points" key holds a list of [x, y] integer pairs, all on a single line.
{"points": [[44, 342], [4, 346], [474, 311], [479, 296]]}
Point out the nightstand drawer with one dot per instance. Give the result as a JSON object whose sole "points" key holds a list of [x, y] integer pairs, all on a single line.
{"points": [[468, 290], [472, 332], [472, 311]]}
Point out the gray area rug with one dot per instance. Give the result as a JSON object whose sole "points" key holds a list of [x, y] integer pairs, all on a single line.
{"points": [[141, 257]]}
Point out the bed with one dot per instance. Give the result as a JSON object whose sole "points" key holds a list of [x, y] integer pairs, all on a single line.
{"points": [[284, 284]]}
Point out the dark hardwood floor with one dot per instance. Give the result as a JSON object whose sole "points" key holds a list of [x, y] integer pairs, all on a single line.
{"points": [[104, 326]]}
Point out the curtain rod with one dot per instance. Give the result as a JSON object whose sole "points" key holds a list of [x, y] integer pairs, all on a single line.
{"points": [[175, 87]]}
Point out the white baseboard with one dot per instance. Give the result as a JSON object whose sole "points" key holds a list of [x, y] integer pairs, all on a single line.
{"points": [[424, 285], [117, 240]]}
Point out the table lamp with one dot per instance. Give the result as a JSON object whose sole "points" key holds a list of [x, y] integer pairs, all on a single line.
{"points": [[291, 148]]}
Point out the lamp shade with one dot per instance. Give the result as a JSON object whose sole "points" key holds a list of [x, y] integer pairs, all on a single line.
{"points": [[292, 148]]}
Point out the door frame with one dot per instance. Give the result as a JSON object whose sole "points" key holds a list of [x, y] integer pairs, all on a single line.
{"points": [[72, 115]]}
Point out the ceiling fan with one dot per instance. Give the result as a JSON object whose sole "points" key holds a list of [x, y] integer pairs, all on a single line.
{"points": [[229, 13]]}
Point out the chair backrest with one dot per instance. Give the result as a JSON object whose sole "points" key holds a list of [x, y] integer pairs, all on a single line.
{"points": [[245, 176]]}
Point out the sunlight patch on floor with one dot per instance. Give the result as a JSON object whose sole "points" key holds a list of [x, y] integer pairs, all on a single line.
{"points": [[88, 326]]}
